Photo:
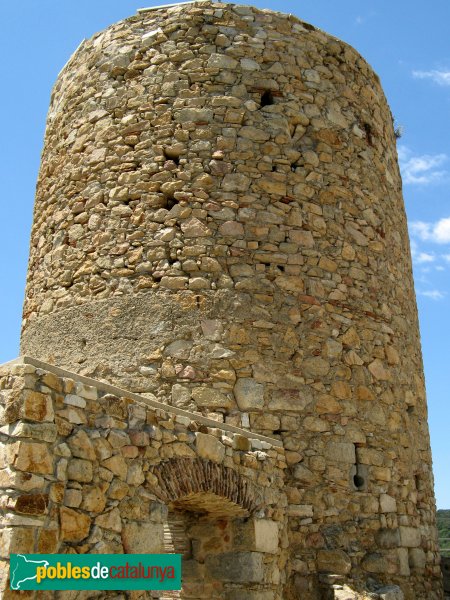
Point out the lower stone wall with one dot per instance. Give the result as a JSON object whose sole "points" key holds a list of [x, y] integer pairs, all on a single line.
{"points": [[86, 469]]}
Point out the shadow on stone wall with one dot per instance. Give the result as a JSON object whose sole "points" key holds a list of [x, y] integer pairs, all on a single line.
{"points": [[445, 565]]}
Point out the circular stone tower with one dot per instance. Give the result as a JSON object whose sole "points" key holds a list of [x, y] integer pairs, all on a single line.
{"points": [[219, 222]]}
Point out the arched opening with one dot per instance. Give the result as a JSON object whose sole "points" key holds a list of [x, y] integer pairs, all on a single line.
{"points": [[211, 522]]}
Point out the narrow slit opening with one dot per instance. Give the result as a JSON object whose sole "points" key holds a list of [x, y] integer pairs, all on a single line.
{"points": [[267, 98], [169, 201], [369, 133], [358, 481], [172, 155]]}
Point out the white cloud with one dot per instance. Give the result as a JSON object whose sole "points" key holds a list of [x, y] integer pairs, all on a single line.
{"points": [[420, 257], [424, 257], [421, 229], [439, 77], [438, 232], [433, 294], [446, 257], [361, 19], [421, 169], [442, 231]]}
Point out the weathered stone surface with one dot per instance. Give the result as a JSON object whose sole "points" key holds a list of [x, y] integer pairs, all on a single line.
{"points": [[93, 500], [81, 446], [266, 536], [409, 537], [31, 457], [259, 535], [388, 538], [211, 398], [80, 470], [417, 558], [303, 475], [74, 525], [142, 538], [249, 394], [378, 370], [117, 465], [315, 367], [375, 563], [387, 503], [245, 567], [333, 561], [110, 520], [37, 407], [210, 447], [15, 540], [341, 451], [221, 61]]}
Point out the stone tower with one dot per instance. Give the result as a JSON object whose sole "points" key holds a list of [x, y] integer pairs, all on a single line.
{"points": [[219, 226]]}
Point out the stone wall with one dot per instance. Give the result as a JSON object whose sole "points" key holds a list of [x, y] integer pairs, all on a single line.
{"points": [[219, 224], [85, 468]]}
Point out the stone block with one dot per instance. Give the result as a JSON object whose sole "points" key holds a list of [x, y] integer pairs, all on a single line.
{"points": [[31, 457], [237, 567], [110, 520], [211, 398], [16, 540], [390, 592], [73, 498], [258, 535], [341, 452], [31, 504], [387, 504], [235, 182], [333, 561], [249, 394], [300, 510], [376, 562], [417, 559], [74, 400], [37, 406], [388, 538], [81, 470], [303, 475], [117, 465], [290, 399], [403, 561], [81, 446], [45, 432], [93, 499], [242, 443], [143, 538], [240, 594], [410, 537], [86, 391], [47, 541], [20, 481], [74, 525], [209, 447], [266, 536]]}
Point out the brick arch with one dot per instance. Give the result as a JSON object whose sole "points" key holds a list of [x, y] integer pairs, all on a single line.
{"points": [[205, 487]]}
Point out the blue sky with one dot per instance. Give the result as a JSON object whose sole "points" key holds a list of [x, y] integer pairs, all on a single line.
{"points": [[405, 41]]}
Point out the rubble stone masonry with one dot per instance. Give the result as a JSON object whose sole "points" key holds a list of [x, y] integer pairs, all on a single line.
{"points": [[219, 227]]}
